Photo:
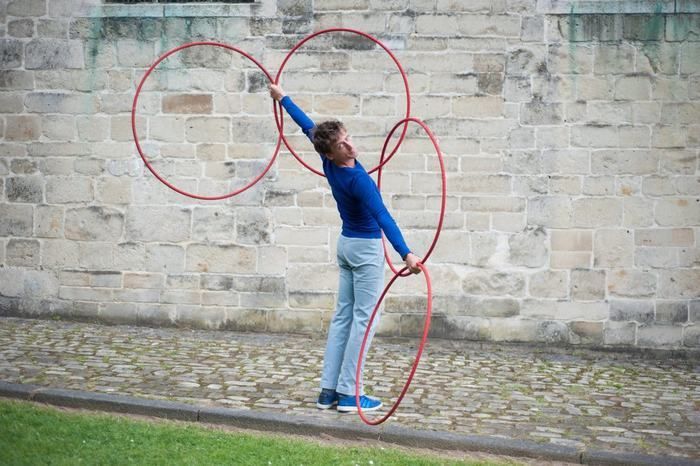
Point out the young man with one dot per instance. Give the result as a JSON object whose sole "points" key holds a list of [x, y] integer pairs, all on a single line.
{"points": [[360, 255]]}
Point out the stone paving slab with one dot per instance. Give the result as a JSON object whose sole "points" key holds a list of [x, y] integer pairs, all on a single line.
{"points": [[597, 402]]}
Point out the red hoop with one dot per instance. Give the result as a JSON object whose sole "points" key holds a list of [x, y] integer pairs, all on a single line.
{"points": [[279, 119], [419, 352], [136, 137], [433, 139]]}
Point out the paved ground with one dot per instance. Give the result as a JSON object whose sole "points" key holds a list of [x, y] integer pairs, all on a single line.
{"points": [[600, 400]]}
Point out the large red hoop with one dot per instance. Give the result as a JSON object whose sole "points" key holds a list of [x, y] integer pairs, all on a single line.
{"points": [[433, 139], [136, 137], [279, 118], [419, 352]]}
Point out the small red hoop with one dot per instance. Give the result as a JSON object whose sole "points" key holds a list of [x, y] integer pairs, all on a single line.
{"points": [[279, 117], [136, 136], [433, 139], [419, 352]]}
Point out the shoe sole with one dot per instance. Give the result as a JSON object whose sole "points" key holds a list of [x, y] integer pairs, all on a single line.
{"points": [[321, 406], [353, 409]]}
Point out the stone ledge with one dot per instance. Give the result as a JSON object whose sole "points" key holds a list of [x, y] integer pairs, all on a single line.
{"points": [[301, 425], [566, 7]]}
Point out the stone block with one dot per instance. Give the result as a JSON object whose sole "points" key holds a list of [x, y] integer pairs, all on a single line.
{"points": [[659, 336], [620, 333], [113, 190], [599, 186], [597, 212], [15, 80], [161, 257], [613, 59], [587, 333], [595, 136], [625, 162], [613, 248], [167, 129], [60, 253], [529, 248], [93, 128], [548, 284], [220, 259], [200, 317], [94, 223], [137, 295], [637, 212], [253, 226], [662, 258], [16, 220], [22, 128], [41, 284], [691, 336], [587, 285], [675, 312], [27, 189], [679, 284], [512, 329], [550, 211], [10, 54], [312, 277], [570, 260], [173, 224], [552, 332], [216, 223], [60, 127], [105, 279], [61, 102], [451, 327], [541, 113], [246, 320], [118, 313], [187, 103], [20, 28], [671, 237], [678, 212], [632, 283], [632, 310], [143, 280], [12, 281], [54, 54], [668, 137], [493, 283], [53, 29], [682, 27], [295, 321], [633, 88], [22, 253], [690, 58], [186, 281], [532, 29], [26, 7], [48, 221]]}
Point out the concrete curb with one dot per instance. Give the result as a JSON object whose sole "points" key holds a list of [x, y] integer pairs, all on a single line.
{"points": [[301, 425]]}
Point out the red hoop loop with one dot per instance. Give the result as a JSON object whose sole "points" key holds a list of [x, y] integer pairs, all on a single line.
{"points": [[136, 137], [433, 139], [279, 119], [419, 352]]}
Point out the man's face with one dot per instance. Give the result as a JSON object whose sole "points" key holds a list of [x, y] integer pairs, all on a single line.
{"points": [[344, 148]]}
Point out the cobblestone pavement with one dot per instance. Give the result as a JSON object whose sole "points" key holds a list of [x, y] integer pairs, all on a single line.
{"points": [[601, 400]]}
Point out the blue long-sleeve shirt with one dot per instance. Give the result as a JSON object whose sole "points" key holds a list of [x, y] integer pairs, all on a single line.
{"points": [[360, 205]]}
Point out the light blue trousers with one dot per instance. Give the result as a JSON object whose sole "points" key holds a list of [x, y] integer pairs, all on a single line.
{"points": [[361, 263]]}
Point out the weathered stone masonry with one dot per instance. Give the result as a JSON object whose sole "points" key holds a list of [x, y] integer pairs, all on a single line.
{"points": [[571, 132]]}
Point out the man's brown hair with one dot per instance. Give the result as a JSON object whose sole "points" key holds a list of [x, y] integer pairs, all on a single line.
{"points": [[326, 135]]}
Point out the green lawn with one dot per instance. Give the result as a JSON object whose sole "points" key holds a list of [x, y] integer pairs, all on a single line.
{"points": [[36, 435]]}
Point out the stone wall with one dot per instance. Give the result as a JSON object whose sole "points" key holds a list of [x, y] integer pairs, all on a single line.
{"points": [[571, 142]]}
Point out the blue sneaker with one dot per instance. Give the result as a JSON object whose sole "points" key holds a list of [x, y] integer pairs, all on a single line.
{"points": [[346, 403], [327, 399]]}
